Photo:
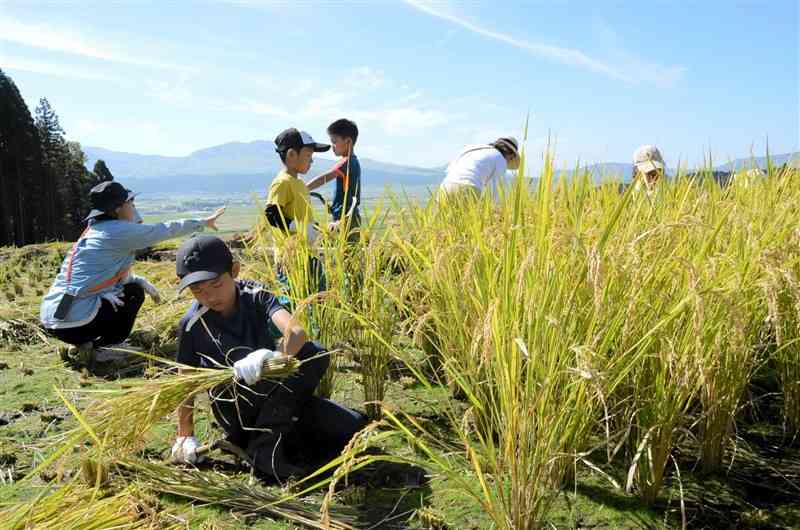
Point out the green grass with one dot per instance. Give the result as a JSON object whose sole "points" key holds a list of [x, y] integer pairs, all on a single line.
{"points": [[236, 218]]}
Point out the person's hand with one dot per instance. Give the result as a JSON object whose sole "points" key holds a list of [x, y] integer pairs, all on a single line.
{"points": [[334, 225], [148, 287], [113, 299], [249, 369], [211, 221], [184, 451]]}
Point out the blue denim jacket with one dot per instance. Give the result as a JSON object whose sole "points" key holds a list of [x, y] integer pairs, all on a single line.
{"points": [[104, 251]]}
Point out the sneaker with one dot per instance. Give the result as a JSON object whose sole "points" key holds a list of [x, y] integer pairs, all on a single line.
{"points": [[80, 355]]}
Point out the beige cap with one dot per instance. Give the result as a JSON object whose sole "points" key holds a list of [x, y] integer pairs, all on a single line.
{"points": [[648, 158]]}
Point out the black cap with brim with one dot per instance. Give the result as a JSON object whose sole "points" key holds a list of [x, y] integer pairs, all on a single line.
{"points": [[201, 258], [196, 277], [318, 148], [294, 139]]}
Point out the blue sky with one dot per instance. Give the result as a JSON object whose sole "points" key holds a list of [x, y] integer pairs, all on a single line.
{"points": [[421, 78]]}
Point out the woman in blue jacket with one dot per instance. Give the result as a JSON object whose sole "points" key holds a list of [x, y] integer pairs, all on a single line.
{"points": [[95, 298]]}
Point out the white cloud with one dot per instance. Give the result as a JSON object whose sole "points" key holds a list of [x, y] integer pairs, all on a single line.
{"points": [[151, 137], [410, 120], [169, 91], [569, 56], [66, 41], [640, 68], [56, 70], [410, 97], [325, 103], [403, 121], [305, 86], [260, 108], [364, 76]]}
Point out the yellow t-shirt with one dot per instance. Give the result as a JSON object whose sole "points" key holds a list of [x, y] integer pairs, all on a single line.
{"points": [[291, 194]]}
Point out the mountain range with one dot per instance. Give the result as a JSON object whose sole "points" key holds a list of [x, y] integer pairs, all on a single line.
{"points": [[249, 166], [236, 167]]}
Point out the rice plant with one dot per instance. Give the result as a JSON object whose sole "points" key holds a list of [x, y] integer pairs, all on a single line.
{"points": [[75, 507], [220, 490], [117, 421], [565, 317], [782, 290], [375, 303]]}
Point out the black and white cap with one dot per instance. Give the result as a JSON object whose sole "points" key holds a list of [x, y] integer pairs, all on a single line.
{"points": [[294, 139], [201, 258]]}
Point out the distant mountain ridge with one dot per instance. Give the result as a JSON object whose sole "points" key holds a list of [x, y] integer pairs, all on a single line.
{"points": [[235, 166]]}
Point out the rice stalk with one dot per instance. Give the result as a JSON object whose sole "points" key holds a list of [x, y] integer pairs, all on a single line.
{"points": [[119, 420], [220, 490], [74, 507]]}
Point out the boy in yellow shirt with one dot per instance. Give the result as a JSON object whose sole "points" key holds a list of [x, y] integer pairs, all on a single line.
{"points": [[288, 203]]}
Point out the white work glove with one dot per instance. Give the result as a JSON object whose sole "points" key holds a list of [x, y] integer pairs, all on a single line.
{"points": [[249, 368], [113, 299], [184, 451], [148, 287]]}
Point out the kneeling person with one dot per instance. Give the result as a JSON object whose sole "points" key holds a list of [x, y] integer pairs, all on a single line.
{"points": [[229, 325]]}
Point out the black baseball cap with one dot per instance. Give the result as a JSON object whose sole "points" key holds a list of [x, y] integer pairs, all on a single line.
{"points": [[202, 258], [294, 139], [107, 197]]}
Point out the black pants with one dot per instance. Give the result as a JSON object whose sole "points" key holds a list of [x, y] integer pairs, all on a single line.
{"points": [[110, 326], [277, 417]]}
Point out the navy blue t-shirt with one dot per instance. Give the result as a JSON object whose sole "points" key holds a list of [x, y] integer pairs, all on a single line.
{"points": [[348, 187], [205, 337]]}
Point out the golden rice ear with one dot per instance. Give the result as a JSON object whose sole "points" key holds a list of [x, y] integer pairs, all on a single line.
{"points": [[94, 471]]}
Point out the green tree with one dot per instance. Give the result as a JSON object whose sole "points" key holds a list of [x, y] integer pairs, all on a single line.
{"points": [[65, 168], [102, 172], [55, 158], [79, 180], [22, 218]]}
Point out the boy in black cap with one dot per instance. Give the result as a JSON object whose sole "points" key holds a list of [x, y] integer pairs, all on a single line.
{"points": [[288, 203], [229, 324]]}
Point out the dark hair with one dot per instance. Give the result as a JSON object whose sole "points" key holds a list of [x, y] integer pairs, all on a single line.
{"points": [[504, 149], [282, 154], [344, 128]]}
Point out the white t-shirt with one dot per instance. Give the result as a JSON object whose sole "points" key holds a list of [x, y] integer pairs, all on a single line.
{"points": [[479, 166]]}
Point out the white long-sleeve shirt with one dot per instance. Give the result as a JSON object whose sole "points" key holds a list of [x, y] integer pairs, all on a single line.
{"points": [[478, 166]]}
